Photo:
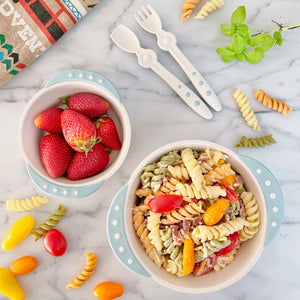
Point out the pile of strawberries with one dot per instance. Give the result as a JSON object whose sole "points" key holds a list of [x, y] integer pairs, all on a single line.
{"points": [[82, 127]]}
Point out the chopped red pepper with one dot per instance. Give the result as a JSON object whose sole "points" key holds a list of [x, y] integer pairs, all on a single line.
{"points": [[235, 239], [165, 203], [205, 266], [231, 195]]}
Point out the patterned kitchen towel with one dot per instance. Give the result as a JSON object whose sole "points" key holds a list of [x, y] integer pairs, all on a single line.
{"points": [[30, 27]]}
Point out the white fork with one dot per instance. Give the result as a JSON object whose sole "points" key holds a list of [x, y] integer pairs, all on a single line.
{"points": [[149, 19]]}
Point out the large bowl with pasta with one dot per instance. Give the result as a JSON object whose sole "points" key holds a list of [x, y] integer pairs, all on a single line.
{"points": [[128, 245], [64, 84]]}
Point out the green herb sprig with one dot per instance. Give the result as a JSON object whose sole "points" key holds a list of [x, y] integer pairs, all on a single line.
{"points": [[248, 43]]}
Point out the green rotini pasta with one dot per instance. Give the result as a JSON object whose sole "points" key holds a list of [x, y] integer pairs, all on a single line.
{"points": [[235, 209], [255, 142], [210, 247], [53, 220], [154, 173]]}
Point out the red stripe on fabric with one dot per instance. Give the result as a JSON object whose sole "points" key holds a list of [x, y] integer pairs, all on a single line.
{"points": [[20, 66]]}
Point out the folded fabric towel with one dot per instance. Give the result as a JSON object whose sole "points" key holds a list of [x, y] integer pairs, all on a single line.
{"points": [[30, 27]]}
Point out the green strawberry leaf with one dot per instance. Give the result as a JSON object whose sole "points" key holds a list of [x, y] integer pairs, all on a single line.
{"points": [[227, 30], [242, 29], [238, 43], [254, 56], [238, 16], [226, 54]]}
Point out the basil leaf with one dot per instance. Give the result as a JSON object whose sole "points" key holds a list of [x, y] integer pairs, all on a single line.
{"points": [[238, 43], [227, 55], [240, 57], [264, 41], [229, 47], [254, 56], [238, 16], [279, 42], [242, 29], [226, 29], [277, 36]]}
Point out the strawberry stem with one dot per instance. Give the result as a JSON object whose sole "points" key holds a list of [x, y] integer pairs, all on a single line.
{"points": [[65, 100], [87, 146]]}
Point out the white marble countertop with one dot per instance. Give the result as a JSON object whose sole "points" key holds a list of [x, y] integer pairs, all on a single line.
{"points": [[158, 117]]}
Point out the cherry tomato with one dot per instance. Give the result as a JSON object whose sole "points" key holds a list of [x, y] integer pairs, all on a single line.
{"points": [[23, 265], [205, 266], [108, 290], [231, 195], [165, 203], [188, 257], [55, 243], [215, 212], [235, 239]]}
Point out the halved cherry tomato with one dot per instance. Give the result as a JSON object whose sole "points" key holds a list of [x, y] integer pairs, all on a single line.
{"points": [[205, 266], [235, 239], [165, 203], [23, 265], [55, 243], [231, 195], [188, 257]]}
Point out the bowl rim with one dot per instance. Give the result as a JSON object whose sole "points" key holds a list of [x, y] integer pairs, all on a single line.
{"points": [[124, 120], [128, 219]]}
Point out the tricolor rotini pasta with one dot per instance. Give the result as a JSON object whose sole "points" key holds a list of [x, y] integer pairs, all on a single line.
{"points": [[201, 201]]}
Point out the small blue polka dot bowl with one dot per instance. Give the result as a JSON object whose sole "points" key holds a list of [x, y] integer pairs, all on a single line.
{"points": [[66, 84], [129, 250]]}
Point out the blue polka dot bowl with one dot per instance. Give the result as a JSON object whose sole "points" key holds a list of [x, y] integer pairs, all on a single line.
{"points": [[62, 85], [129, 250]]}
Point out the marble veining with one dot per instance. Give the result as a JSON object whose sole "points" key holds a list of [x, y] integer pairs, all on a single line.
{"points": [[158, 117]]}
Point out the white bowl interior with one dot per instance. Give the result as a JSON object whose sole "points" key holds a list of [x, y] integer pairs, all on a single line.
{"points": [[30, 135], [245, 258]]}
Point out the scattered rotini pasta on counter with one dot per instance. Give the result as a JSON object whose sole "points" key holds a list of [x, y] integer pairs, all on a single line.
{"points": [[85, 274], [53, 220], [209, 7], [255, 142], [198, 217], [278, 105], [246, 109], [26, 204], [187, 9]]}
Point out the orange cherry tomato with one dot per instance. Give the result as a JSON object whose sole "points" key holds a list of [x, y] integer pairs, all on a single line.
{"points": [[23, 265], [108, 290], [188, 257], [229, 180], [215, 212]]}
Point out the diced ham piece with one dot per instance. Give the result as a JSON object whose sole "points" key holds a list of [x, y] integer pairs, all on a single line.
{"points": [[175, 235], [242, 211], [205, 266], [186, 226], [203, 158], [198, 220], [239, 179]]}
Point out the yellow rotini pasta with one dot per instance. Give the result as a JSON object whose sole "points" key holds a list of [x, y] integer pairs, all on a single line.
{"points": [[53, 220], [153, 222], [27, 204], [86, 273], [190, 191], [204, 233], [179, 172], [193, 168], [252, 214], [209, 7], [187, 8], [183, 213], [266, 100], [245, 109]]}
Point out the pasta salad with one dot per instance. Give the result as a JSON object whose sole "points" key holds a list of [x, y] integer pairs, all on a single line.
{"points": [[193, 211]]}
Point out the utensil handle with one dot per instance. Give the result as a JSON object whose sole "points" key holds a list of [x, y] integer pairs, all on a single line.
{"points": [[201, 85], [186, 94], [272, 193], [117, 235], [85, 76]]}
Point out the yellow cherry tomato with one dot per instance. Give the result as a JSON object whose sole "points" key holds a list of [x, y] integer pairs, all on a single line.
{"points": [[215, 212], [9, 285], [108, 290], [23, 265], [18, 233], [188, 257], [229, 180]]}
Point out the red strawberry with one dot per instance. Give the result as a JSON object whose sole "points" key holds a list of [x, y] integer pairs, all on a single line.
{"points": [[106, 130], [56, 154], [87, 104], [49, 120], [79, 131], [83, 166]]}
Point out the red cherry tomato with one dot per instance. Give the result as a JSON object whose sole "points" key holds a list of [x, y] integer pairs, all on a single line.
{"points": [[231, 195], [235, 239], [165, 203], [55, 243], [205, 266]]}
